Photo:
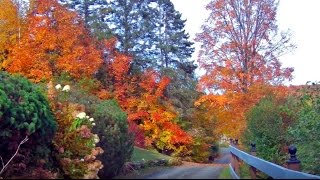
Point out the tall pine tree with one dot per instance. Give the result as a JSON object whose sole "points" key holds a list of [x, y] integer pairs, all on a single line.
{"points": [[93, 13], [151, 31], [173, 43]]}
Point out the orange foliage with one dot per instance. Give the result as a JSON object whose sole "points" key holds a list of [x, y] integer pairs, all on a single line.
{"points": [[55, 41], [110, 44], [229, 109], [155, 117], [240, 53], [10, 27], [117, 67], [104, 94], [142, 98]]}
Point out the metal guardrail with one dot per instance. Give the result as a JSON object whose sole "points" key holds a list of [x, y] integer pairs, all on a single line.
{"points": [[233, 173], [271, 169]]}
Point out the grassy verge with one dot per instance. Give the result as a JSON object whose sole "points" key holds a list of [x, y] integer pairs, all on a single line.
{"points": [[244, 171], [139, 154], [225, 174]]}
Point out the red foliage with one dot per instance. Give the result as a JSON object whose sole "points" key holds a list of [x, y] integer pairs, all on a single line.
{"points": [[139, 138]]}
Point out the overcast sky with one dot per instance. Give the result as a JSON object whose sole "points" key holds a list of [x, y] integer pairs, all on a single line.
{"points": [[300, 16]]}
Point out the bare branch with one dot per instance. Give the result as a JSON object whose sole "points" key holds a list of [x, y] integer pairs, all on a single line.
{"points": [[4, 166]]}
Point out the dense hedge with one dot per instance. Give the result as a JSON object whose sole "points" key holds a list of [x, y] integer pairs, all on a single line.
{"points": [[276, 122], [266, 127], [117, 143], [24, 111], [305, 133]]}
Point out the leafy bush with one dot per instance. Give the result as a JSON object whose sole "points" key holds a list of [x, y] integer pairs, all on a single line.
{"points": [[305, 132], [81, 92], [24, 111], [200, 150], [74, 142], [117, 143], [214, 149], [267, 129]]}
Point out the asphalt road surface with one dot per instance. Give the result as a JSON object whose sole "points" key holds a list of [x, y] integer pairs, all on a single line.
{"points": [[194, 170]]}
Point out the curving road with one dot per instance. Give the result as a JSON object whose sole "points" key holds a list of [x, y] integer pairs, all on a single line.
{"points": [[194, 170]]}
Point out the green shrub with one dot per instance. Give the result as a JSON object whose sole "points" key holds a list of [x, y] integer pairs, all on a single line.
{"points": [[306, 134], [117, 143], [24, 111], [266, 128], [200, 150], [80, 92], [214, 149]]}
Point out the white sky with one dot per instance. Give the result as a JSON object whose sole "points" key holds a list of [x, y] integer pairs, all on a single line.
{"points": [[302, 17]]}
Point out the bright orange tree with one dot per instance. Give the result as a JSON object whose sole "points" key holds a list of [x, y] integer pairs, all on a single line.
{"points": [[141, 96], [10, 27], [55, 41], [156, 116], [240, 54], [118, 83]]}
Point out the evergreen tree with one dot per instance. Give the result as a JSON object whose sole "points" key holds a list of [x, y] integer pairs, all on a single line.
{"points": [[151, 31], [93, 13], [132, 21], [173, 43]]}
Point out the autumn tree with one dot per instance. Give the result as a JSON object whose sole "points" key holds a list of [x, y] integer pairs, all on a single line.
{"points": [[55, 41], [241, 45], [156, 116], [10, 28], [240, 50]]}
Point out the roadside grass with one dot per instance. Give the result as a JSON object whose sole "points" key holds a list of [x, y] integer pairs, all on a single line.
{"points": [[139, 154], [244, 171], [225, 173]]}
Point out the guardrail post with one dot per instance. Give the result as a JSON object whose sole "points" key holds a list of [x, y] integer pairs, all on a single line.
{"points": [[293, 163], [253, 170]]}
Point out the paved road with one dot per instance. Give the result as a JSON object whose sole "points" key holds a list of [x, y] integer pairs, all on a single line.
{"points": [[224, 156], [194, 170]]}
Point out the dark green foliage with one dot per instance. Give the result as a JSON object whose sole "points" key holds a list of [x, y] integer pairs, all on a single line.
{"points": [[151, 31], [266, 128], [172, 40], [24, 111], [182, 93], [306, 132], [117, 143], [133, 23], [275, 124], [80, 91], [93, 13]]}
